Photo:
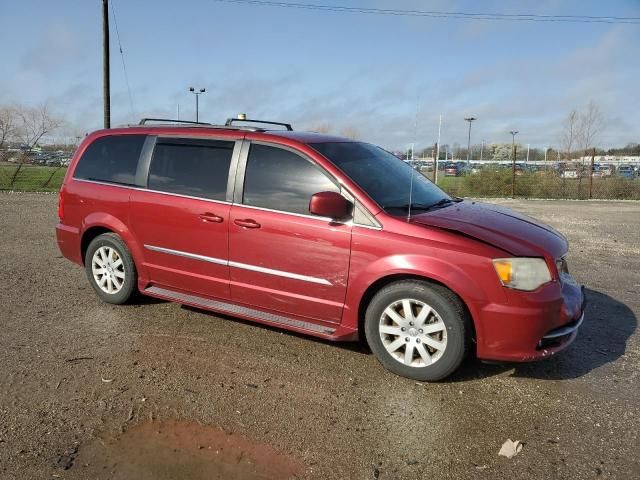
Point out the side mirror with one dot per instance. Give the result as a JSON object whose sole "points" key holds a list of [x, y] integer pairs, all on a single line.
{"points": [[330, 204]]}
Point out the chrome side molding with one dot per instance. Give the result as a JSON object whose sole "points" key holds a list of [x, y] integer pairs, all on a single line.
{"points": [[244, 266]]}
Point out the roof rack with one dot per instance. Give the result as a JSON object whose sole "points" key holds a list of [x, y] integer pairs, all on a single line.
{"points": [[229, 122], [144, 121]]}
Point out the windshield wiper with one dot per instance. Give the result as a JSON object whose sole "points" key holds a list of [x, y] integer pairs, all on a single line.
{"points": [[440, 203], [422, 206]]}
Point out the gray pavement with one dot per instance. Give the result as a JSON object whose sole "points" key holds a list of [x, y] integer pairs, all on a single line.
{"points": [[156, 390]]}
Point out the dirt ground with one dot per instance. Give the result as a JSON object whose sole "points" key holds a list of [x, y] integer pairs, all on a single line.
{"points": [[156, 390]]}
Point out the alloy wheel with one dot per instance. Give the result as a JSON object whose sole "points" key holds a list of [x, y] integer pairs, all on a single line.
{"points": [[108, 270], [413, 333]]}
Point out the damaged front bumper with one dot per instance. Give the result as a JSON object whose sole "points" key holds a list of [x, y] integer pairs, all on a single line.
{"points": [[532, 326], [560, 337]]}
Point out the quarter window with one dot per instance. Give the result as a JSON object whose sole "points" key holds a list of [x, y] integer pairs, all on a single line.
{"points": [[198, 168], [112, 159], [281, 180]]}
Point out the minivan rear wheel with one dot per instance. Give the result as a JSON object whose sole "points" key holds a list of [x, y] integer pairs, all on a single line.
{"points": [[418, 330], [110, 269]]}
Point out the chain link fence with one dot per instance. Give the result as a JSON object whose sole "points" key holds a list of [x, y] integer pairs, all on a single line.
{"points": [[569, 180], [33, 171]]}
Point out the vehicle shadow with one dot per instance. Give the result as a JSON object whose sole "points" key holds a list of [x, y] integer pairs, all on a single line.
{"points": [[602, 339], [357, 346], [141, 299]]}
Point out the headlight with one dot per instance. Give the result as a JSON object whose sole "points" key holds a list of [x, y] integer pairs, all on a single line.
{"points": [[522, 273]]}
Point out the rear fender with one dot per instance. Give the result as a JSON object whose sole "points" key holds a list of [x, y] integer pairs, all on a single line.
{"points": [[108, 221]]}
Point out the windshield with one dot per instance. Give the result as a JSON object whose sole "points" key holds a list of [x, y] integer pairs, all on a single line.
{"points": [[383, 176]]}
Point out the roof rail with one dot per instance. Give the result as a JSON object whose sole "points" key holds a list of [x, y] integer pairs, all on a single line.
{"points": [[144, 121], [230, 121]]}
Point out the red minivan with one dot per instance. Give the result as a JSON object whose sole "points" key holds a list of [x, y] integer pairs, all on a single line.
{"points": [[317, 234]]}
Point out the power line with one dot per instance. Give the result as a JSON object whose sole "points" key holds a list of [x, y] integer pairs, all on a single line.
{"points": [[124, 66], [527, 17]]}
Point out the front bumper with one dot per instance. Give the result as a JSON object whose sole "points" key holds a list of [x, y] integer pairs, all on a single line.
{"points": [[560, 336], [532, 326]]}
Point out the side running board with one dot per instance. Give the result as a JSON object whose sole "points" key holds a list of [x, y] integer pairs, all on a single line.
{"points": [[235, 310]]}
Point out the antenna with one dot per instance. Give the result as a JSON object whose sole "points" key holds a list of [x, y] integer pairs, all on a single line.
{"points": [[410, 194], [413, 147]]}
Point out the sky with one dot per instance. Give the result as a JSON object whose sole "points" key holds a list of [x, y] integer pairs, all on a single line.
{"points": [[387, 77]]}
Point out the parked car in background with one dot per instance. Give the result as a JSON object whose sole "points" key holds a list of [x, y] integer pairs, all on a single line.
{"points": [[625, 171], [597, 171], [569, 172], [317, 234], [520, 169], [606, 169], [456, 169]]}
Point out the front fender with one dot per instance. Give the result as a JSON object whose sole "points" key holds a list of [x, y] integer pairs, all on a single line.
{"points": [[475, 284]]}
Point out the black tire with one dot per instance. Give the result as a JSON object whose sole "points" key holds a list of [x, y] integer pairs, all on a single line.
{"points": [[128, 285], [449, 308]]}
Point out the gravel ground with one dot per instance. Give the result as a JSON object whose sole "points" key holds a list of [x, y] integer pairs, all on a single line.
{"points": [[156, 390]]}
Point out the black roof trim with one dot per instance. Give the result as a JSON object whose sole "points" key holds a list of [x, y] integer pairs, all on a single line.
{"points": [[230, 121], [144, 121]]}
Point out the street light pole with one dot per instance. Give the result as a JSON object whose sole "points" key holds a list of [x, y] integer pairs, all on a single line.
{"points": [[469, 119], [197, 94], [513, 162]]}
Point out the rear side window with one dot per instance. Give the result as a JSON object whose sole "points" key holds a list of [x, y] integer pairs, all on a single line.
{"points": [[112, 159], [281, 180], [198, 168]]}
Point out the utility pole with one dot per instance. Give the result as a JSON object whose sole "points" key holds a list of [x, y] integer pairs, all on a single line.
{"points": [[106, 88], [481, 150], [513, 162], [593, 158], [469, 119], [527, 161]]}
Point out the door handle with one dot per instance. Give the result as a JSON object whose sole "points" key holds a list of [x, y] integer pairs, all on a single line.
{"points": [[247, 223], [211, 217]]}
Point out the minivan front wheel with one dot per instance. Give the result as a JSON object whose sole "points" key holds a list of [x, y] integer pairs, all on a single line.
{"points": [[110, 268], [418, 330]]}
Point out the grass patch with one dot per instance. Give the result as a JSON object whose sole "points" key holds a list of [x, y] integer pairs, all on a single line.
{"points": [[31, 178]]}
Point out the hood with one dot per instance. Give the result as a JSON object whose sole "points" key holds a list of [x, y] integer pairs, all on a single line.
{"points": [[517, 234]]}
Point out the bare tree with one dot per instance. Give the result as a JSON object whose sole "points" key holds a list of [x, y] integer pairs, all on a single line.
{"points": [[33, 124], [8, 124], [591, 122], [36, 122], [321, 128], [589, 127], [570, 133], [350, 132]]}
